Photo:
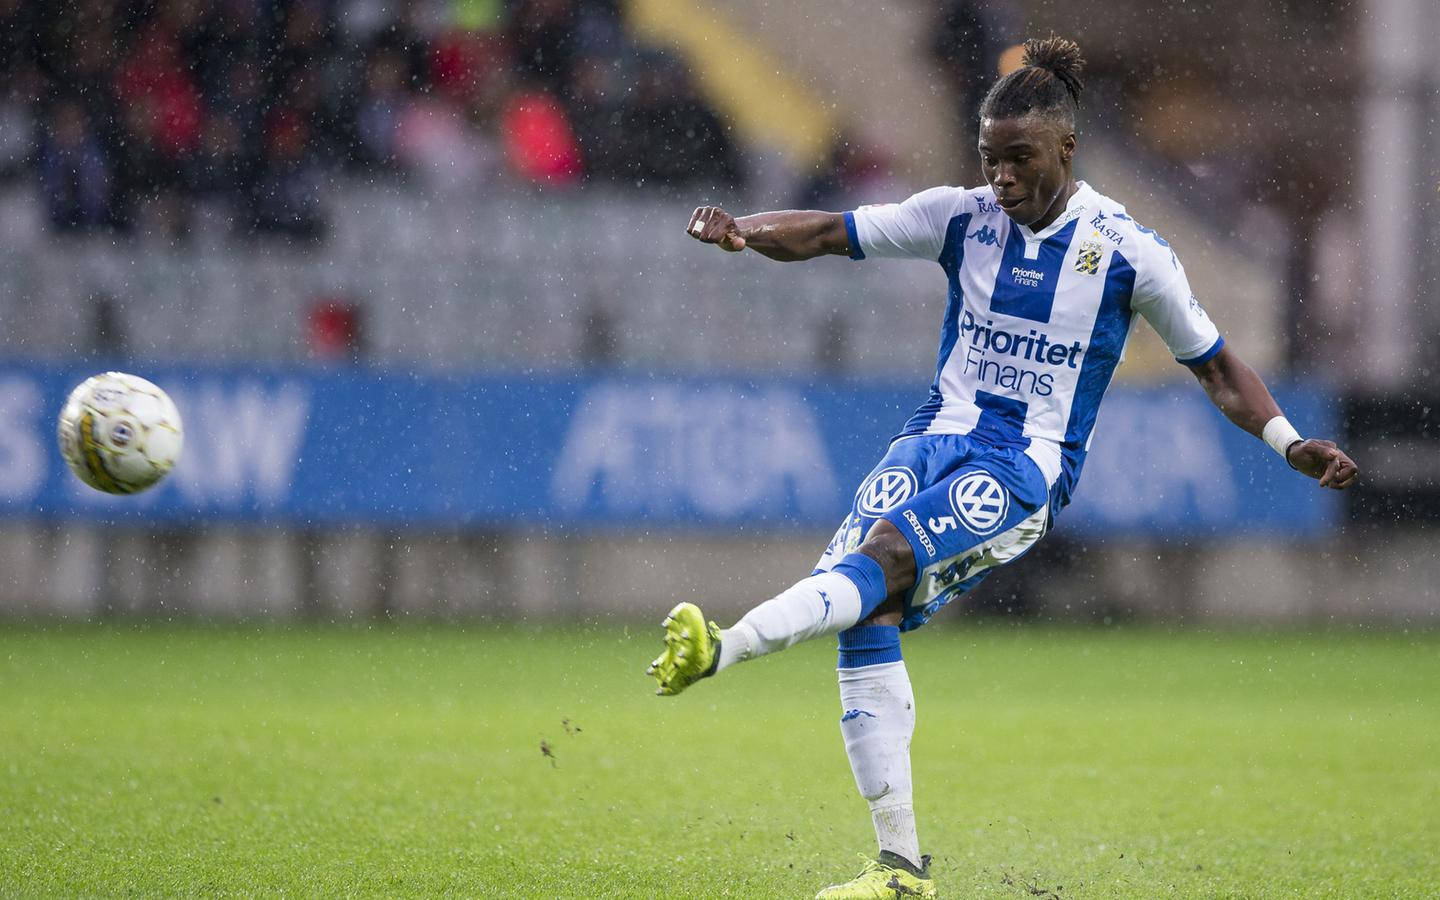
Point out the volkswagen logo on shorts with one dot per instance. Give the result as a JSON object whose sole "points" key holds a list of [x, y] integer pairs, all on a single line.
{"points": [[979, 501], [886, 490]]}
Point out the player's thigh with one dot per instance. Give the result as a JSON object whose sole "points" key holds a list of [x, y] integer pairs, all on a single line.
{"points": [[981, 515], [897, 478]]}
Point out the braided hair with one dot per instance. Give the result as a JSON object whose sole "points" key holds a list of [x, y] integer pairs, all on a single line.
{"points": [[1048, 83]]}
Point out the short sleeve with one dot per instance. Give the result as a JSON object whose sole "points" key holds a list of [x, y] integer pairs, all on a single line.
{"points": [[912, 229], [1163, 296]]}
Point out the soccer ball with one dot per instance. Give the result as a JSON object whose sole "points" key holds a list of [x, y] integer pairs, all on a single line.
{"points": [[119, 434]]}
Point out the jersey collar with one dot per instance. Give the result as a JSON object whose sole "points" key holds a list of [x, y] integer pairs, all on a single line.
{"points": [[1079, 201]]}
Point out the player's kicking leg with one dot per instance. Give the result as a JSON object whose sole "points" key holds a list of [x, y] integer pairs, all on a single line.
{"points": [[824, 603]]}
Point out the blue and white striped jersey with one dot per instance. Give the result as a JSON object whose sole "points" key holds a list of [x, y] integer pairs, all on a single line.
{"points": [[1036, 321]]}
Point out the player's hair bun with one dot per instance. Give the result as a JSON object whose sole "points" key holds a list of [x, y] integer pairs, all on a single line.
{"points": [[1061, 57]]}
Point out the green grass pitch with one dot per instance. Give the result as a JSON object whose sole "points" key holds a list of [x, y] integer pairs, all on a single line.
{"points": [[537, 763]]}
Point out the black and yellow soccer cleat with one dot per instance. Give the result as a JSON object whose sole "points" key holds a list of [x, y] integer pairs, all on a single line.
{"points": [[692, 650], [887, 878]]}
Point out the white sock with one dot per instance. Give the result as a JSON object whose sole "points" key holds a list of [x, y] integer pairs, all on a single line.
{"points": [[821, 604], [878, 720]]}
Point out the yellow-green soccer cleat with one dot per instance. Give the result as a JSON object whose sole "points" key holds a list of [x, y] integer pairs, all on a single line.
{"points": [[692, 650], [890, 877]]}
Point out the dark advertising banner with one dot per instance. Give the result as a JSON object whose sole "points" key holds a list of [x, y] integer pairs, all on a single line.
{"points": [[319, 447]]}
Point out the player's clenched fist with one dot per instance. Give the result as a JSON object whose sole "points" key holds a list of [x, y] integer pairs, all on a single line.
{"points": [[713, 225], [1325, 461]]}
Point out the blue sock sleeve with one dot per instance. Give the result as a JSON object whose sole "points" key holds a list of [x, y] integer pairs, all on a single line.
{"points": [[869, 645], [868, 577]]}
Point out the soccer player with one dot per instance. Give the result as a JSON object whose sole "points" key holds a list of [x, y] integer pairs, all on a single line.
{"points": [[1046, 277]]}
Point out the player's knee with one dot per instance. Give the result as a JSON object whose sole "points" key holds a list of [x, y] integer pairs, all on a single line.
{"points": [[891, 612], [887, 546]]}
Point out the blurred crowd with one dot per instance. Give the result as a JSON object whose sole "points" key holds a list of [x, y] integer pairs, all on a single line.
{"points": [[132, 113]]}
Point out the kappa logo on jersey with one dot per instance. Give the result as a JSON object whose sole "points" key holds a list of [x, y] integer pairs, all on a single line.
{"points": [[919, 530], [887, 490], [985, 235], [1088, 260], [980, 502]]}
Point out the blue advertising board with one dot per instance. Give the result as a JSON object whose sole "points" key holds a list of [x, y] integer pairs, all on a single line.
{"points": [[322, 447]]}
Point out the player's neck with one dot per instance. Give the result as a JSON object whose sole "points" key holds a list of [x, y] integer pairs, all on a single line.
{"points": [[1062, 202]]}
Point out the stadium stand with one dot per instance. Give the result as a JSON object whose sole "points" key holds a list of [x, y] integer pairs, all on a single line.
{"points": [[495, 184]]}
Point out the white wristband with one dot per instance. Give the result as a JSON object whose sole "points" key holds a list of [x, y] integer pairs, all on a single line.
{"points": [[1280, 434]]}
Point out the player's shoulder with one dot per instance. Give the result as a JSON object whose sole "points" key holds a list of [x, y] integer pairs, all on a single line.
{"points": [[935, 207], [943, 200], [1105, 220]]}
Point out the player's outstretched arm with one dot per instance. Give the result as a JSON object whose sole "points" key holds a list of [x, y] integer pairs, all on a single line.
{"points": [[1239, 393], [787, 236]]}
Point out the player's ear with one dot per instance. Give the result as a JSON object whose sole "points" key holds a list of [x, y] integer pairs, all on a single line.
{"points": [[1067, 147]]}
